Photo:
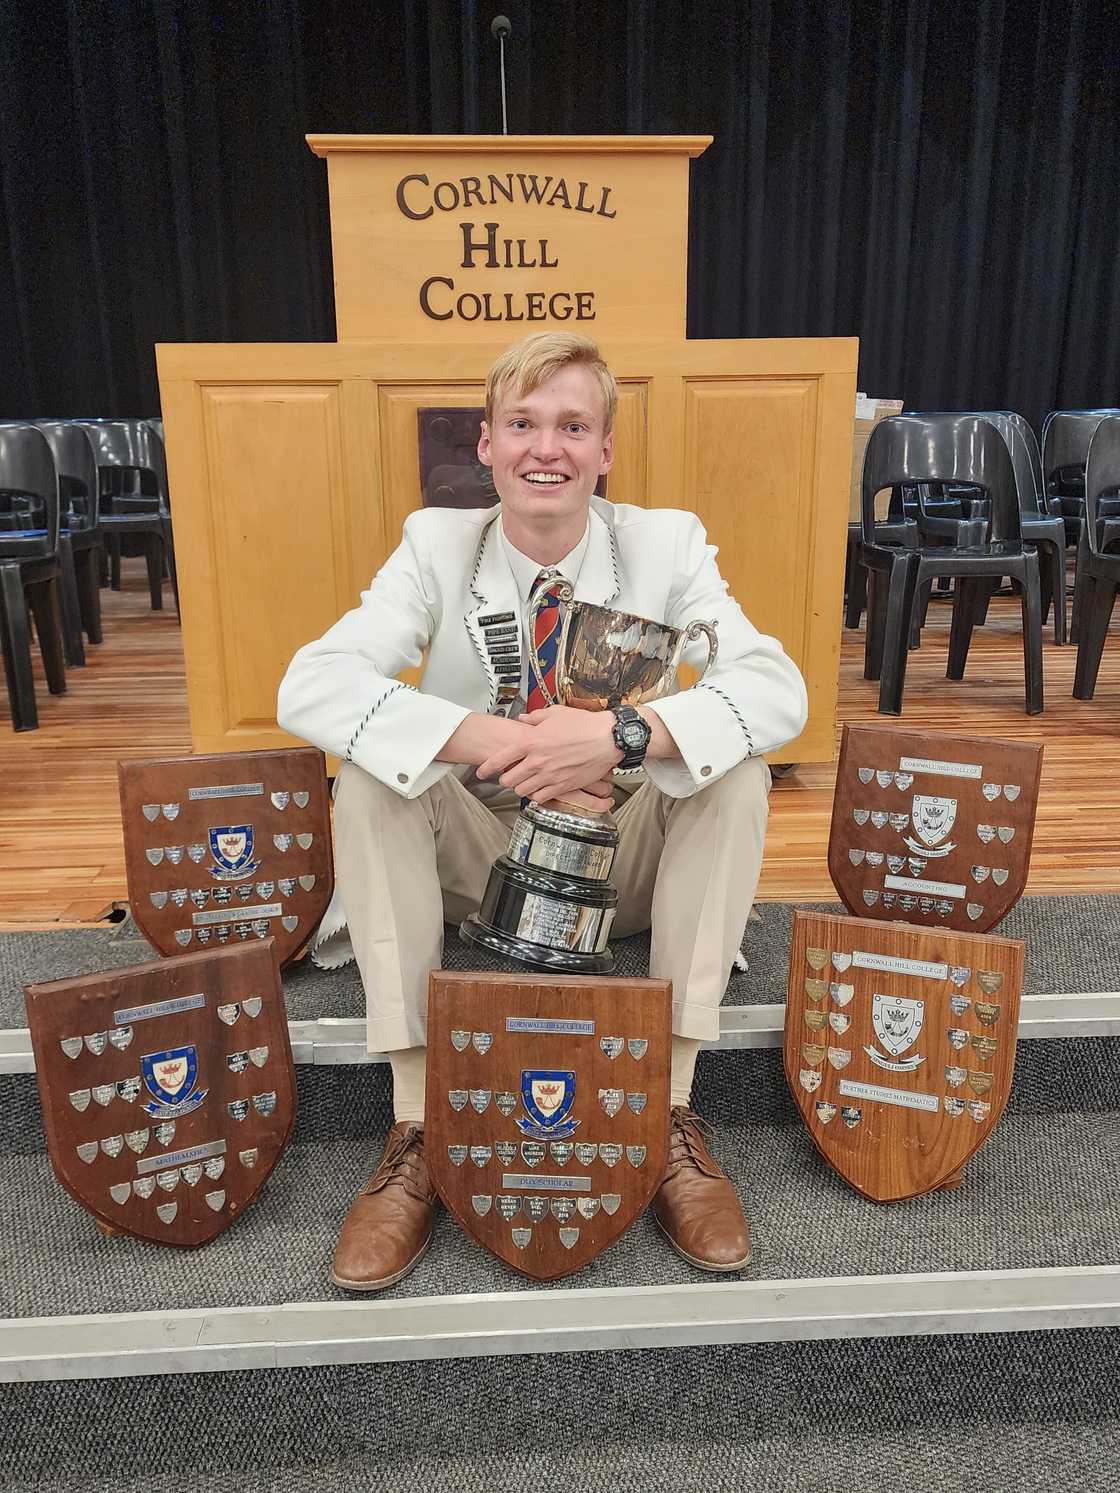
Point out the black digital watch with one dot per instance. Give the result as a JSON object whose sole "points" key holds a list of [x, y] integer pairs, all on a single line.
{"points": [[631, 735]]}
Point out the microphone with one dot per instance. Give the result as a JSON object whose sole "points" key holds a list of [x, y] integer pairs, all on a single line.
{"points": [[500, 28]]}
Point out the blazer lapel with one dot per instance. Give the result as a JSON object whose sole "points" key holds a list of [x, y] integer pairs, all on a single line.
{"points": [[494, 599], [600, 579]]}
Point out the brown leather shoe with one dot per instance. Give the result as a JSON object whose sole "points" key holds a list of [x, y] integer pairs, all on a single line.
{"points": [[696, 1206], [389, 1225]]}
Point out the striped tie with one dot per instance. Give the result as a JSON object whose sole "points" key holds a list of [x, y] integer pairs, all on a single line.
{"points": [[546, 636]]}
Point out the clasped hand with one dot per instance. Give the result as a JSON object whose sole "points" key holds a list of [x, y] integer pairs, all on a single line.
{"points": [[568, 754]]}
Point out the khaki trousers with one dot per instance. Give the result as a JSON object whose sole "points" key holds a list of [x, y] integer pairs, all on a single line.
{"points": [[686, 868]]}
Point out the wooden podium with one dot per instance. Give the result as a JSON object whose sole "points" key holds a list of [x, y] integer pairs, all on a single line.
{"points": [[293, 466]]}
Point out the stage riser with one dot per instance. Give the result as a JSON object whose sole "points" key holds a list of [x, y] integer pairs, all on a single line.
{"points": [[1043, 1193], [1072, 946], [1026, 1411], [739, 1087]]}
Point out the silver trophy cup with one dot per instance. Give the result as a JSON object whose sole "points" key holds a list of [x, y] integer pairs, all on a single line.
{"points": [[548, 902]]}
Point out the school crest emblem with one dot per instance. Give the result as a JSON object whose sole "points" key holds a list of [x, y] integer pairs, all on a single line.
{"points": [[231, 845], [548, 1095]]}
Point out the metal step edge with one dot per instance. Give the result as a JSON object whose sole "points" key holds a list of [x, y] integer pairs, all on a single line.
{"points": [[304, 1334], [332, 1040]]}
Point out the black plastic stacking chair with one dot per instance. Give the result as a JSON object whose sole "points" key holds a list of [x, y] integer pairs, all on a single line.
{"points": [[29, 569], [1066, 436], [129, 452], [1101, 573], [1065, 448], [1039, 526], [956, 449], [1048, 506], [80, 541]]}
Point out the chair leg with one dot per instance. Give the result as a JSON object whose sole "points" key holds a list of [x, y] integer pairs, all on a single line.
{"points": [[921, 612], [896, 643], [114, 562], [1045, 578], [984, 593], [172, 571], [1032, 634], [1058, 581], [15, 634], [86, 568], [73, 651], [1078, 573], [43, 599], [1098, 597], [857, 586], [877, 585], [153, 554], [967, 599]]}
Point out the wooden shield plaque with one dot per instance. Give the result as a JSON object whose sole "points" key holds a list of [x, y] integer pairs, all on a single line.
{"points": [[930, 829], [547, 1113], [227, 848], [899, 1047], [168, 1090]]}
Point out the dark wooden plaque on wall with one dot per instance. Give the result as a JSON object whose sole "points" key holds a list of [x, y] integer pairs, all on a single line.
{"points": [[899, 1047], [547, 1111], [168, 1090], [227, 848], [932, 829], [451, 475]]}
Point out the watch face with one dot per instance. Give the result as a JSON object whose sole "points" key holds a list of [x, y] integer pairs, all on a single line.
{"points": [[632, 734]]}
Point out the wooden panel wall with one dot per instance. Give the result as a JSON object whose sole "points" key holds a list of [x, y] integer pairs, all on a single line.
{"points": [[292, 469]]}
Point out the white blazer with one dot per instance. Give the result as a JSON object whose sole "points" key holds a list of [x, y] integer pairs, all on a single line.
{"points": [[341, 693]]}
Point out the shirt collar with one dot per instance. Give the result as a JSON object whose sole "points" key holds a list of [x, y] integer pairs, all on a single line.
{"points": [[526, 571]]}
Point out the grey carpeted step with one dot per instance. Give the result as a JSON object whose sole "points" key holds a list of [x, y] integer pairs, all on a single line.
{"points": [[744, 1086], [1033, 1413], [1073, 945], [1044, 1192]]}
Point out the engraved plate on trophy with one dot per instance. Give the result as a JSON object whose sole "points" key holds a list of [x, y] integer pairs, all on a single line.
{"points": [[548, 903], [527, 1156], [917, 1066], [193, 1098], [932, 829], [251, 856]]}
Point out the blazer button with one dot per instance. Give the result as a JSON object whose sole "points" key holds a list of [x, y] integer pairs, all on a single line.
{"points": [[402, 777], [705, 772]]}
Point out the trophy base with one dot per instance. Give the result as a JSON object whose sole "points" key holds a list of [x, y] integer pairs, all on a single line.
{"points": [[522, 954], [544, 920]]}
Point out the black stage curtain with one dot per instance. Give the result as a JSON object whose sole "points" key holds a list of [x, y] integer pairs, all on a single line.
{"points": [[940, 179]]}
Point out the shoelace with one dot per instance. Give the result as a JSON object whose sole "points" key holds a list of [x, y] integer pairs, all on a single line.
{"points": [[401, 1164], [687, 1136]]}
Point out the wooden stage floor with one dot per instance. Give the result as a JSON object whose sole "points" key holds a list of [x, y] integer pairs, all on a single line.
{"points": [[60, 845]]}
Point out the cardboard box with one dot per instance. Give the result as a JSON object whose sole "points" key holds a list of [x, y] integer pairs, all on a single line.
{"points": [[869, 412]]}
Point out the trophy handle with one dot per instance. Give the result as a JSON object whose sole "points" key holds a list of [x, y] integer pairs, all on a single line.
{"points": [[690, 634], [565, 593]]}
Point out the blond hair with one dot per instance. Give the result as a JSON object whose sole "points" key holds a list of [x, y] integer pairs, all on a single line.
{"points": [[529, 364]]}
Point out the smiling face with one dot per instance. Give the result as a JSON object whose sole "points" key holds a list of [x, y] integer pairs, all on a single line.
{"points": [[547, 449]]}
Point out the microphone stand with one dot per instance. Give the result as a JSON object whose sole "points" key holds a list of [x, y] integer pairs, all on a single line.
{"points": [[500, 27]]}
